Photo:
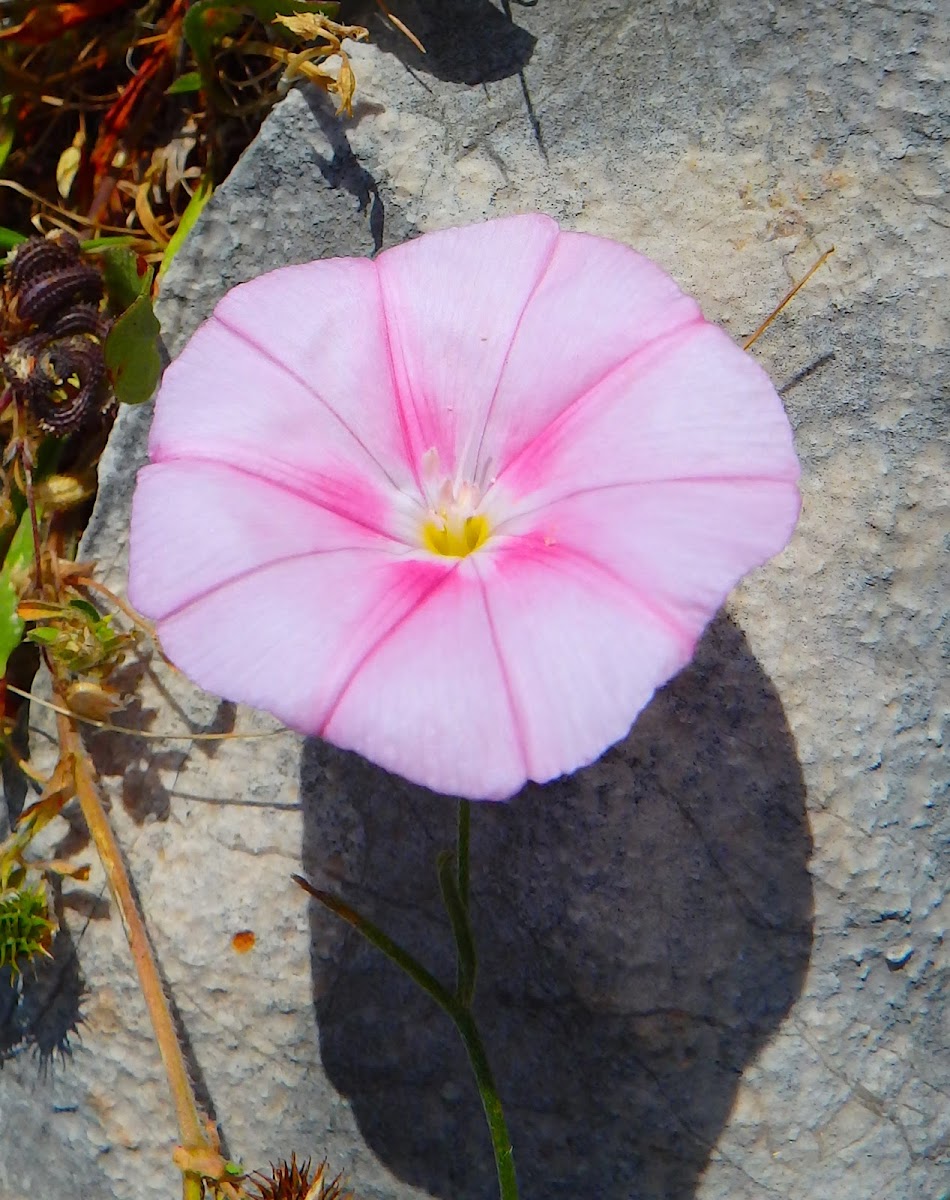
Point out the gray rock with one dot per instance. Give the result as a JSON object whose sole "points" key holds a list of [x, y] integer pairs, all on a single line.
{"points": [[695, 978]]}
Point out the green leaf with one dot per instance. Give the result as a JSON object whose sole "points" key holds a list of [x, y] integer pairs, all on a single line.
{"points": [[43, 635], [189, 82], [87, 609], [10, 238], [97, 245], [124, 282], [6, 128], [205, 23], [26, 928], [15, 569], [132, 355], [188, 217]]}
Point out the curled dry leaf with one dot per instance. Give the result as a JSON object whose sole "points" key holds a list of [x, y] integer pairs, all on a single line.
{"points": [[345, 86], [94, 701], [67, 870], [314, 26], [330, 36], [171, 160], [69, 163], [58, 492]]}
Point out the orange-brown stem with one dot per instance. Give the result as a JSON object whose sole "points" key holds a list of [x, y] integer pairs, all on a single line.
{"points": [[191, 1124]]}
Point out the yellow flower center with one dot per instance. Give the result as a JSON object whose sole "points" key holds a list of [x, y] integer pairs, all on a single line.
{"points": [[453, 527], [453, 538]]}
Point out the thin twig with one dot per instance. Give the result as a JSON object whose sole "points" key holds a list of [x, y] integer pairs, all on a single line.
{"points": [[108, 727], [785, 299]]}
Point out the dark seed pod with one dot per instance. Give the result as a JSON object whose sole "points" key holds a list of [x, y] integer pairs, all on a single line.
{"points": [[56, 370], [84, 318], [19, 362], [40, 298], [65, 389], [41, 255]]}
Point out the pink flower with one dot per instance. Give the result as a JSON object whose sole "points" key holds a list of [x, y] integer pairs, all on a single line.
{"points": [[461, 509]]}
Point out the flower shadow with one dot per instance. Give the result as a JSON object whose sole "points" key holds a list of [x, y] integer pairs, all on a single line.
{"points": [[643, 928]]}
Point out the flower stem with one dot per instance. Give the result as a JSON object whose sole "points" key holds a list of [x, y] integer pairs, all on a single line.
{"points": [[190, 1123], [491, 1103], [467, 963], [462, 850], [454, 881], [462, 1010]]}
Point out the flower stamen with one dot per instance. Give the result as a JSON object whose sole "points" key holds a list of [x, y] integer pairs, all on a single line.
{"points": [[444, 536], [453, 527]]}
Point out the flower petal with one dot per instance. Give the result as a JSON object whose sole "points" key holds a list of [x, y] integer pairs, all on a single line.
{"points": [[453, 300], [226, 400], [289, 636], [430, 700], [197, 526], [323, 322], [581, 656], [692, 405], [598, 303], [678, 548]]}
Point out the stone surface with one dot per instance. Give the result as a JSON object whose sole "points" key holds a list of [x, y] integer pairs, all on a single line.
{"points": [[713, 963]]}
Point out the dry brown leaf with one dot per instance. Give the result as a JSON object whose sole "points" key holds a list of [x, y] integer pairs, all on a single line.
{"points": [[60, 789], [171, 160], [315, 26], [69, 163], [95, 701], [345, 86], [143, 210], [59, 866]]}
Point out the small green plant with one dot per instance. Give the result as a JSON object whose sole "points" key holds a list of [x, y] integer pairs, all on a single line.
{"points": [[26, 927]]}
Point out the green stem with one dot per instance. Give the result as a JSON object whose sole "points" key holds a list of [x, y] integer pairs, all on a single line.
{"points": [[455, 1006], [491, 1103], [456, 903], [461, 931], [382, 941], [462, 851]]}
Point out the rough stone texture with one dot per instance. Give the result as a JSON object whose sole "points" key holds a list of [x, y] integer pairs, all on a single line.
{"points": [[713, 964]]}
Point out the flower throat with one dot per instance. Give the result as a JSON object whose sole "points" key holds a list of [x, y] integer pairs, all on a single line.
{"points": [[452, 527]]}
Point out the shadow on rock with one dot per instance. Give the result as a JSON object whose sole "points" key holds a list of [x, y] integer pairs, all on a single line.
{"points": [[466, 41], [139, 763], [643, 928], [41, 1010]]}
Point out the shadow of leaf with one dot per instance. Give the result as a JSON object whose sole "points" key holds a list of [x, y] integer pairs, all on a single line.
{"points": [[140, 763], [644, 926], [42, 1012], [466, 41]]}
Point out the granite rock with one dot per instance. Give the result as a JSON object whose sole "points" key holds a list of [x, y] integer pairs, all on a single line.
{"points": [[713, 963]]}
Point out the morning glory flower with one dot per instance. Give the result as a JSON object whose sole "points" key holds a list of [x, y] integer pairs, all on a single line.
{"points": [[463, 508]]}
